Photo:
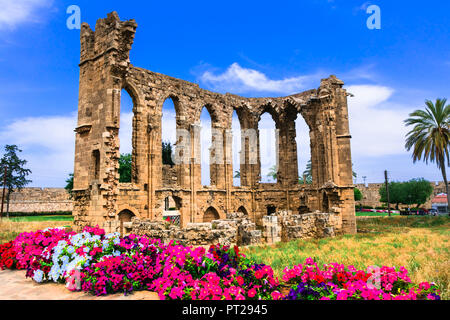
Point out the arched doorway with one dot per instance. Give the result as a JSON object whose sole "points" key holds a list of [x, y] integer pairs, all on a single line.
{"points": [[125, 221], [325, 205], [210, 215], [271, 210], [172, 207]]}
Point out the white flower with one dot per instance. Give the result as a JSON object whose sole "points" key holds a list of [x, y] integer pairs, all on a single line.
{"points": [[38, 276]]}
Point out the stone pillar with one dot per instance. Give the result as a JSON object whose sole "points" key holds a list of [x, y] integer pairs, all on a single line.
{"points": [[271, 229], [104, 63]]}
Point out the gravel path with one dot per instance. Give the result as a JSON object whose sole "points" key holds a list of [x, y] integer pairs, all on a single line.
{"points": [[14, 286]]}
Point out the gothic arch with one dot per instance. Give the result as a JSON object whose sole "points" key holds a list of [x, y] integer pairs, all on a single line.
{"points": [[243, 210], [134, 93], [211, 214]]}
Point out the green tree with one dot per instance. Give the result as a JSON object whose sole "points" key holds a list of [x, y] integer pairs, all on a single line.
{"points": [[307, 174], [16, 173], [167, 153], [125, 168], [412, 192], [417, 191], [358, 194], [237, 174], [430, 135], [397, 193], [69, 185]]}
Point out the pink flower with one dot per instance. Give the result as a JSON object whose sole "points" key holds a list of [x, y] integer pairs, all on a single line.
{"points": [[240, 280]]}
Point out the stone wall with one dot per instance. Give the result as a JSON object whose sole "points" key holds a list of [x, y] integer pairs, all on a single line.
{"points": [[310, 225], [106, 70], [371, 195], [40, 200]]}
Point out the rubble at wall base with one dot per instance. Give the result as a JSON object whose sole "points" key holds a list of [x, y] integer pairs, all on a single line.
{"points": [[237, 229]]}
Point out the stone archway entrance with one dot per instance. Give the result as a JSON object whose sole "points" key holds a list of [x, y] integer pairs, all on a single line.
{"points": [[271, 210], [243, 210], [210, 215], [325, 204]]}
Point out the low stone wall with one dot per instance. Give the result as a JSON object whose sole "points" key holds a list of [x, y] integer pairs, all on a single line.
{"points": [[310, 225], [40, 200], [236, 229], [196, 234]]}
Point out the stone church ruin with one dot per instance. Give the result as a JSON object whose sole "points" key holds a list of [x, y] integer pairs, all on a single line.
{"points": [[99, 198]]}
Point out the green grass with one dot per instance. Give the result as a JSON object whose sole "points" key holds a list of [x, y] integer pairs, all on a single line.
{"points": [[421, 244], [375, 214], [39, 218]]}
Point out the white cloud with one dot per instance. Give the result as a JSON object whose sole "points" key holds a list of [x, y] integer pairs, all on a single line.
{"points": [[15, 12], [237, 79], [48, 144], [376, 123]]}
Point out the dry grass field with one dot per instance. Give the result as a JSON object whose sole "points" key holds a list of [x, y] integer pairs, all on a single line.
{"points": [[421, 244], [11, 228]]}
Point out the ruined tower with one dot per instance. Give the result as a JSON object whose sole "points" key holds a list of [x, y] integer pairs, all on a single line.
{"points": [[99, 198]]}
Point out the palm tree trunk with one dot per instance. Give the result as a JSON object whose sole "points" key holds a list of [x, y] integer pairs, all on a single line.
{"points": [[7, 203], [444, 175]]}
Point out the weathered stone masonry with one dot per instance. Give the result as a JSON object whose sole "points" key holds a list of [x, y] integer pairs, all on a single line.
{"points": [[105, 70]]}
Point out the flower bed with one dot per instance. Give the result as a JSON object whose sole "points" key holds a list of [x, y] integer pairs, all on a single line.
{"points": [[101, 264]]}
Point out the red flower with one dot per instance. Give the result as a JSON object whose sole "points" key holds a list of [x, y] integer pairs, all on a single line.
{"points": [[9, 263]]}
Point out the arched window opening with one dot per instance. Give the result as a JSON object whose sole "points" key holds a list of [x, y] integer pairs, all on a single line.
{"points": [[125, 136], [303, 151], [237, 149], [172, 206], [210, 215], [205, 146], [271, 210], [268, 151], [243, 210], [125, 217]]}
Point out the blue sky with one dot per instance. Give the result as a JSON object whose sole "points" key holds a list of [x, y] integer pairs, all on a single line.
{"points": [[249, 48]]}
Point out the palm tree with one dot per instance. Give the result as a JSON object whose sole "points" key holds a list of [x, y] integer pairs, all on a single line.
{"points": [[430, 136], [273, 173]]}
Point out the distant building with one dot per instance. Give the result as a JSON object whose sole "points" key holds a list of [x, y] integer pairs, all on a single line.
{"points": [[440, 203]]}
